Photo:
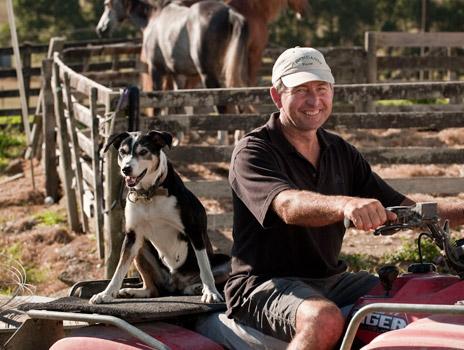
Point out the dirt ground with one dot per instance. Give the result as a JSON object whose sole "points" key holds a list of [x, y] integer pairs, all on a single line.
{"points": [[61, 257]]}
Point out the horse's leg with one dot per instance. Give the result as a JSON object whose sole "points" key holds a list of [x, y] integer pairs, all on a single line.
{"points": [[211, 82], [192, 83], [179, 82], [147, 83], [157, 83]]}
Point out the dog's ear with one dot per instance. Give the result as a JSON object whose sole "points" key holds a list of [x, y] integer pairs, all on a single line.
{"points": [[115, 140], [161, 138]]}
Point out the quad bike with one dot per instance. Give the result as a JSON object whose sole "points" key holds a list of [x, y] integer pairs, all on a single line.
{"points": [[420, 309]]}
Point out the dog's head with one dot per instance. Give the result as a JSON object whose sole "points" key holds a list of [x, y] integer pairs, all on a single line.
{"points": [[139, 154]]}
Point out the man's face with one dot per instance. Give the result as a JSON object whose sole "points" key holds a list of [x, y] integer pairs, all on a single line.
{"points": [[305, 107]]}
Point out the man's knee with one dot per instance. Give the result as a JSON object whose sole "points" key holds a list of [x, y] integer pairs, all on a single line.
{"points": [[319, 315]]}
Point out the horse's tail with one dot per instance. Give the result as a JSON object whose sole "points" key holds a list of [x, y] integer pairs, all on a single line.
{"points": [[235, 68]]}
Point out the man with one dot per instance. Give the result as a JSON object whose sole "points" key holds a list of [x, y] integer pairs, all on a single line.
{"points": [[293, 183]]}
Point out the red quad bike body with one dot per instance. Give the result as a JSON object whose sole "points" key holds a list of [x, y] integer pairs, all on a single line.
{"points": [[401, 330], [421, 309]]}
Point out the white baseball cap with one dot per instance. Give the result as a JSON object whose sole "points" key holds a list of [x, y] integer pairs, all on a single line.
{"points": [[299, 65]]}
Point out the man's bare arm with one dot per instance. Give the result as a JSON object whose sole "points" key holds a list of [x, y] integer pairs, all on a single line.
{"points": [[306, 208]]}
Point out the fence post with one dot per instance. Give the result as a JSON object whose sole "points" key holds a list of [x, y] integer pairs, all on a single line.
{"points": [[56, 44], [97, 181], [65, 155], [49, 123], [71, 126], [370, 46], [114, 213]]}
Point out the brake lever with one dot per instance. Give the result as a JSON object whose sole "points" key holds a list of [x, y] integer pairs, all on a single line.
{"points": [[391, 229], [407, 216]]}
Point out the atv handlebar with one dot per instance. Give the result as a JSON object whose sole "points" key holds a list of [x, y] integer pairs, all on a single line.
{"points": [[424, 216]]}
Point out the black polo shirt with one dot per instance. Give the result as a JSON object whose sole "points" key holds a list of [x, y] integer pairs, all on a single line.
{"points": [[263, 164]]}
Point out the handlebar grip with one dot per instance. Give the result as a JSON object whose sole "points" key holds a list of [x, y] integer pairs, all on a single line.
{"points": [[348, 223]]}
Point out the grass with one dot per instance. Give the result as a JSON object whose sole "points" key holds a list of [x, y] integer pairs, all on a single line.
{"points": [[50, 218], [12, 145], [409, 253], [357, 262], [12, 256], [403, 257], [443, 101]]}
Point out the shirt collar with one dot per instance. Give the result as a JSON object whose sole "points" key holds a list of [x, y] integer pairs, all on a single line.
{"points": [[277, 137]]}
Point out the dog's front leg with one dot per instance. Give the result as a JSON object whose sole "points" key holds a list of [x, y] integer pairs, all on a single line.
{"points": [[130, 246], [210, 293]]}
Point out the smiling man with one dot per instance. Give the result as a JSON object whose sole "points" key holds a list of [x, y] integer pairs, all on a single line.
{"points": [[293, 183]]}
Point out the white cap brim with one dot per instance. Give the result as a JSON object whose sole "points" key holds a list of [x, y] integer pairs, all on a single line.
{"points": [[299, 78]]}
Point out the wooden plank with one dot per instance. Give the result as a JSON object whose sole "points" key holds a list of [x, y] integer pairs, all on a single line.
{"points": [[81, 83], [220, 221], [113, 219], [104, 66], [413, 155], [261, 95], [83, 114], [205, 97], [384, 120], [424, 39], [211, 189], [103, 50], [86, 145], [123, 78], [72, 129], [414, 63], [65, 155], [49, 124], [338, 121], [394, 91], [88, 175], [385, 155], [425, 107], [97, 181], [200, 154], [429, 185]]}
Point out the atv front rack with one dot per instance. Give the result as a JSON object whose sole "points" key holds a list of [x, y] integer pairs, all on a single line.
{"points": [[428, 309]]}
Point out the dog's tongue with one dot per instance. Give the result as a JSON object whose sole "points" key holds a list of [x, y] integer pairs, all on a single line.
{"points": [[130, 181]]}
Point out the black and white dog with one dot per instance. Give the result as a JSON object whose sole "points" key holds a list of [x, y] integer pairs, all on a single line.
{"points": [[165, 226]]}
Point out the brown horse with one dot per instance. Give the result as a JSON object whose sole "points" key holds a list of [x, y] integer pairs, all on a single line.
{"points": [[258, 13]]}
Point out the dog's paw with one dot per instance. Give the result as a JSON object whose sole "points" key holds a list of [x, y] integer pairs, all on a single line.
{"points": [[211, 295], [134, 293], [101, 298]]}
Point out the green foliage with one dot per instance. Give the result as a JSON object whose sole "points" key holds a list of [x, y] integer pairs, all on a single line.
{"points": [[343, 22], [50, 218], [409, 253], [12, 145], [411, 102], [358, 262]]}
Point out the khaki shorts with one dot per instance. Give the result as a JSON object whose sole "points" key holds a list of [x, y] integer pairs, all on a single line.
{"points": [[271, 307]]}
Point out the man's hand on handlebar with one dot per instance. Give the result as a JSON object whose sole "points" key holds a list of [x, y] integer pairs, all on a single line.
{"points": [[367, 213]]}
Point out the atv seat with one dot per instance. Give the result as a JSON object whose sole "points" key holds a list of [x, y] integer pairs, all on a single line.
{"points": [[235, 336]]}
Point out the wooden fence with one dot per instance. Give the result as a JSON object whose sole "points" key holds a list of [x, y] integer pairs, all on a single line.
{"points": [[32, 56], [113, 62], [85, 111]]}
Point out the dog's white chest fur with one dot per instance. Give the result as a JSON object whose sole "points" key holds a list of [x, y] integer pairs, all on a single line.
{"points": [[159, 222]]}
